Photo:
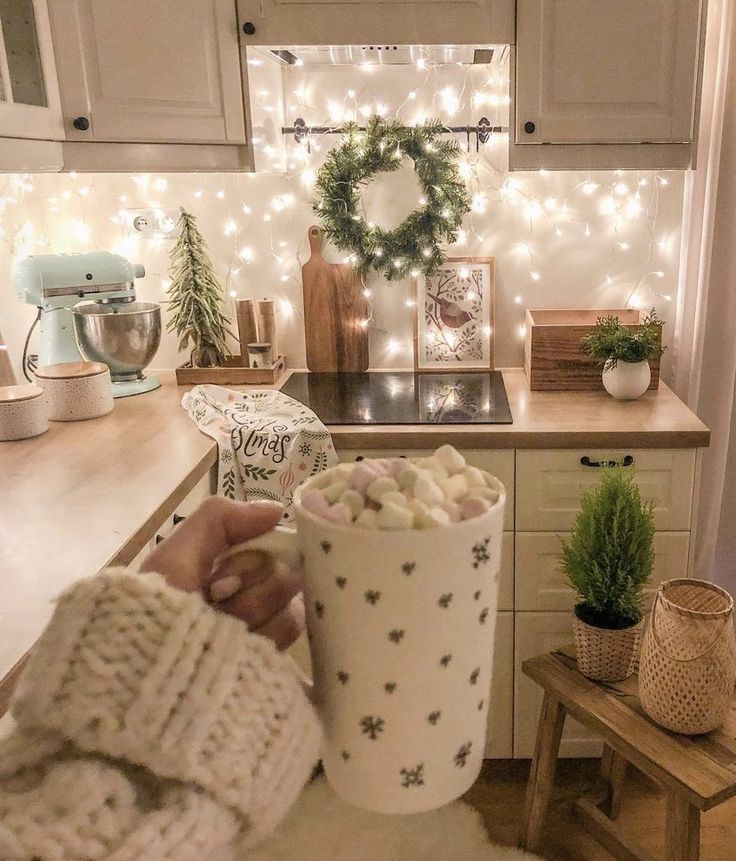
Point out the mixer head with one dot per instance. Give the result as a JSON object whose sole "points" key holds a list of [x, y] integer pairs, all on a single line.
{"points": [[53, 281]]}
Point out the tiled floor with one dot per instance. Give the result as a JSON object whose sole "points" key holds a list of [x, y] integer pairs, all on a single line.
{"points": [[499, 796]]}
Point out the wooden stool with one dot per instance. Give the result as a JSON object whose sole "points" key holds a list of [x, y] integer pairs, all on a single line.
{"points": [[696, 772]]}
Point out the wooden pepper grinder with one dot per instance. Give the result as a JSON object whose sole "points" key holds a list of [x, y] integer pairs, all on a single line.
{"points": [[335, 311]]}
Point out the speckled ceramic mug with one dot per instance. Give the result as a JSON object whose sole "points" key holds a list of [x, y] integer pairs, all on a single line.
{"points": [[401, 628]]}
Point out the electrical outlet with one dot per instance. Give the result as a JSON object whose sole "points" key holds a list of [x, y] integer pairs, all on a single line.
{"points": [[151, 223]]}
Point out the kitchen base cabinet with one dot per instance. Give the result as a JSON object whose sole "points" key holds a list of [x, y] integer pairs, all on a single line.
{"points": [[536, 633]]}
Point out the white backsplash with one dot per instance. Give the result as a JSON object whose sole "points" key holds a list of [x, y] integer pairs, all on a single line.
{"points": [[560, 239]]}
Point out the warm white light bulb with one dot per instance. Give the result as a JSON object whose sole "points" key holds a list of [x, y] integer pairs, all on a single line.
{"points": [[589, 187]]}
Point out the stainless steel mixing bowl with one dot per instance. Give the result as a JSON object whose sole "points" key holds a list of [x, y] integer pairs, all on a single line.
{"points": [[124, 336]]}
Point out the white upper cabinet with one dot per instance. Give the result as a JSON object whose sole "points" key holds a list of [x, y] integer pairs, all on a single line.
{"points": [[388, 23], [29, 95], [619, 72], [146, 72]]}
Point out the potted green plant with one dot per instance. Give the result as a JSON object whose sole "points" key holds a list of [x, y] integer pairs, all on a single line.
{"points": [[608, 560], [624, 353]]}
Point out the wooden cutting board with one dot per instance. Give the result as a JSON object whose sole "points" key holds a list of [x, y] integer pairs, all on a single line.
{"points": [[334, 306]]}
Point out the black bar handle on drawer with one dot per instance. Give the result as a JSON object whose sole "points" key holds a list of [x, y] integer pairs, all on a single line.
{"points": [[627, 461]]}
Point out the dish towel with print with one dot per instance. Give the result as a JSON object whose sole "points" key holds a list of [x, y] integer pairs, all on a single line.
{"points": [[268, 443]]}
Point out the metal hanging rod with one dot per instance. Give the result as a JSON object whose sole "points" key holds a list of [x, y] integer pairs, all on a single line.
{"points": [[483, 131]]}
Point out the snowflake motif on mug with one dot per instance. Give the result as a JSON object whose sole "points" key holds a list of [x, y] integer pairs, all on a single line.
{"points": [[445, 660], [389, 687], [461, 757], [476, 595], [372, 596], [397, 635], [480, 553], [433, 717], [372, 726], [319, 609], [444, 600], [345, 755], [341, 582], [483, 615], [343, 677], [408, 568], [326, 546], [413, 776], [474, 676]]}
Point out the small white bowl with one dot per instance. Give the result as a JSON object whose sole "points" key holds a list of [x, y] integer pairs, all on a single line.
{"points": [[76, 390], [24, 412]]}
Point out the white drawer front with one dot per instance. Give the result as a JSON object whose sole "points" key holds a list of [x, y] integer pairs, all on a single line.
{"points": [[536, 633], [499, 462], [540, 585], [549, 485], [501, 702]]}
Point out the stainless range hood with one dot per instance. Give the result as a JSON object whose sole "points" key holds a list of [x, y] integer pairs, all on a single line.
{"points": [[388, 55]]}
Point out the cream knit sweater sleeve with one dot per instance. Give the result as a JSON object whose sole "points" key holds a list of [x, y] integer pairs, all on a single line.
{"points": [[150, 726]]}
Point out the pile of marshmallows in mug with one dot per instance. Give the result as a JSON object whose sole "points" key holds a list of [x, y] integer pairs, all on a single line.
{"points": [[398, 493]]}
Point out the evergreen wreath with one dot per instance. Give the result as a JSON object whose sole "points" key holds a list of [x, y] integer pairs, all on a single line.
{"points": [[413, 246]]}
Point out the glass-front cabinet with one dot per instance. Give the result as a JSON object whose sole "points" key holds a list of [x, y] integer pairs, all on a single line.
{"points": [[29, 93]]}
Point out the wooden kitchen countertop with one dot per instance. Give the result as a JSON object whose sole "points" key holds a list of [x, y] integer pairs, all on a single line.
{"points": [[86, 494]]}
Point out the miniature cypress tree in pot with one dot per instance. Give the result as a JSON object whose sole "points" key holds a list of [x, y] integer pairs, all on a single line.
{"points": [[608, 561]]}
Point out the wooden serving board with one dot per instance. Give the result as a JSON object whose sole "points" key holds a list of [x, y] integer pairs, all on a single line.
{"points": [[334, 306]]}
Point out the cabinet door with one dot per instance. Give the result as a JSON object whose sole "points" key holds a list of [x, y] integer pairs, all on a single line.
{"points": [[144, 72], [382, 24], [534, 634], [550, 483], [540, 584], [29, 94], [501, 703], [624, 71]]}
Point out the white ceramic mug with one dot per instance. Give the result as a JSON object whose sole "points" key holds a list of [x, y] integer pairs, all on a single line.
{"points": [[401, 629]]}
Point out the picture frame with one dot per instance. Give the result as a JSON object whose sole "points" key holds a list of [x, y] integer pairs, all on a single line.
{"points": [[454, 311]]}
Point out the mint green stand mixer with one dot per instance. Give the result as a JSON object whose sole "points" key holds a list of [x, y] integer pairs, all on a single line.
{"points": [[88, 311]]}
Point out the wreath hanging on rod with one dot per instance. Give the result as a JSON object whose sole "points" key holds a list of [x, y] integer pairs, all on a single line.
{"points": [[416, 244]]}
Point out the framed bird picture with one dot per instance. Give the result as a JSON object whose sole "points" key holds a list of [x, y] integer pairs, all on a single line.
{"points": [[454, 310]]}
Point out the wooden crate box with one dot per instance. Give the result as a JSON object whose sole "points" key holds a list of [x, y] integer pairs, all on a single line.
{"points": [[553, 357]]}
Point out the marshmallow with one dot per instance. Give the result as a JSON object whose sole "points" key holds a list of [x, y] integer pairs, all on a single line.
{"points": [[453, 509], [380, 487], [484, 493], [367, 519], [454, 487], [395, 497], [314, 501], [391, 516], [474, 476], [361, 476], [473, 506], [408, 478], [427, 489], [354, 501], [334, 491], [450, 458], [439, 516], [339, 513], [434, 466]]}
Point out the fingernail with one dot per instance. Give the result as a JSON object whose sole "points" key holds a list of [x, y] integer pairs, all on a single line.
{"points": [[221, 590]]}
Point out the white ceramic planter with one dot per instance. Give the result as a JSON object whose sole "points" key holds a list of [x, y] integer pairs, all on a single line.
{"points": [[627, 380], [24, 412], [401, 631], [76, 390]]}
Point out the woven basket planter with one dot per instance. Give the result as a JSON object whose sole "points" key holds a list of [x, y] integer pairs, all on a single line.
{"points": [[606, 654], [688, 660]]}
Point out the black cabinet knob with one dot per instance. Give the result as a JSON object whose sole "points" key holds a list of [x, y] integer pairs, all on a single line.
{"points": [[178, 519], [249, 28], [81, 124], [159, 539], [529, 127]]}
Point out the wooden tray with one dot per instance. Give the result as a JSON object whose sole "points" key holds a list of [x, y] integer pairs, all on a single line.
{"points": [[232, 373], [554, 361]]}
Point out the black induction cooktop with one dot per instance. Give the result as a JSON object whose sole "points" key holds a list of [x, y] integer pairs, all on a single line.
{"points": [[402, 398]]}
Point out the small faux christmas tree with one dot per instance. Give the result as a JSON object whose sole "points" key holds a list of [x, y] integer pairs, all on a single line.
{"points": [[195, 298]]}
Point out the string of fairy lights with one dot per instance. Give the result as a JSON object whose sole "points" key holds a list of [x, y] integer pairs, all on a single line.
{"points": [[558, 210]]}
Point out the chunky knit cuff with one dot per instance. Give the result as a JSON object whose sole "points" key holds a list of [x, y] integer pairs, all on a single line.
{"points": [[133, 669]]}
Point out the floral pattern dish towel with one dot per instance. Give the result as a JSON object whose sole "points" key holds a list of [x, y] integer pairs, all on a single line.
{"points": [[268, 443]]}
